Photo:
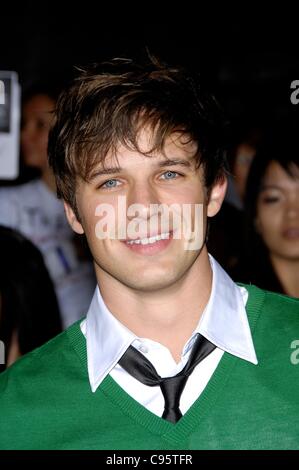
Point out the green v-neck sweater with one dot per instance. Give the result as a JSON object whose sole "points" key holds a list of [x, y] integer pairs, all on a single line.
{"points": [[46, 401]]}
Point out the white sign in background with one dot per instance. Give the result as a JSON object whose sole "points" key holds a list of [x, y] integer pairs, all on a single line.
{"points": [[9, 125]]}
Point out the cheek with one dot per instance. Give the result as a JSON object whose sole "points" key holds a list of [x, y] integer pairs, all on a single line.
{"points": [[86, 206], [42, 140], [239, 171], [269, 221], [189, 194], [99, 219]]}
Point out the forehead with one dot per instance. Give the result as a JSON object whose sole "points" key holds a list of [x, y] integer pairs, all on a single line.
{"points": [[276, 174], [38, 104], [176, 145]]}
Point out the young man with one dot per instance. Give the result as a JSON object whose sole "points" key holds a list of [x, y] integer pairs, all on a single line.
{"points": [[172, 354]]}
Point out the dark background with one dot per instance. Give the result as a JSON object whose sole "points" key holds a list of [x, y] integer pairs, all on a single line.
{"points": [[249, 59]]}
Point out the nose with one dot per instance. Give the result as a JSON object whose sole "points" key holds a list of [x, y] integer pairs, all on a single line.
{"points": [[292, 210], [27, 133], [140, 199]]}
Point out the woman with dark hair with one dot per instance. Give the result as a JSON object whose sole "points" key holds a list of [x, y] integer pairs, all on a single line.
{"points": [[224, 240], [29, 313], [270, 256]]}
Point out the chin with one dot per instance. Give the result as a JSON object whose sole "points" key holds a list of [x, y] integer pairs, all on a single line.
{"points": [[294, 256], [149, 283], [290, 255], [149, 286], [32, 163]]}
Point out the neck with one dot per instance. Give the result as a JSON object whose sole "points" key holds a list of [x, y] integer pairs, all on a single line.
{"points": [[168, 316], [287, 271], [49, 179]]}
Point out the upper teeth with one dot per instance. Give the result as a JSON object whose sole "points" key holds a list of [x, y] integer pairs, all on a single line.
{"points": [[146, 241]]}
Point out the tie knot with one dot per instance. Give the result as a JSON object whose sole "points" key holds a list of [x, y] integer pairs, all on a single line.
{"points": [[171, 387]]}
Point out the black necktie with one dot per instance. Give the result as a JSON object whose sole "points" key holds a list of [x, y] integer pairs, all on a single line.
{"points": [[172, 387]]}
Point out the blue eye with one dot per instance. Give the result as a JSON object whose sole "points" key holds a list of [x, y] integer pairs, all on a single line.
{"points": [[110, 184], [170, 175]]}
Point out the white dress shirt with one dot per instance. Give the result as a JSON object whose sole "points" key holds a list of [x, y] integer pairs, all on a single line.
{"points": [[223, 322]]}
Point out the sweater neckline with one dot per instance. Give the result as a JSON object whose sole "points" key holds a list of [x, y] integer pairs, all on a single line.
{"points": [[173, 434]]}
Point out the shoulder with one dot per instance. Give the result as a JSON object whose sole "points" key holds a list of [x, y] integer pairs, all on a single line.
{"points": [[273, 301], [13, 196], [36, 389], [284, 309], [21, 189], [38, 370], [273, 317]]}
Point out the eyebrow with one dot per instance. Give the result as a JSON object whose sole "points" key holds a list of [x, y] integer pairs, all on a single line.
{"points": [[117, 169], [168, 162], [104, 171]]}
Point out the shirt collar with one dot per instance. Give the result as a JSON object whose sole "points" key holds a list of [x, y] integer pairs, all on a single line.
{"points": [[224, 322]]}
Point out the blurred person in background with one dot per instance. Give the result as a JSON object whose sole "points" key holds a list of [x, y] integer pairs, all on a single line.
{"points": [[224, 239], [29, 313], [34, 210], [270, 256], [242, 151]]}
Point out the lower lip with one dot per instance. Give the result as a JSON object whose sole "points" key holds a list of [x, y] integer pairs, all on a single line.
{"points": [[150, 248]]}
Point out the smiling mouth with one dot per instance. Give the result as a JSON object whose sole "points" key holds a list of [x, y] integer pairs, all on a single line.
{"points": [[149, 240], [150, 246], [291, 233]]}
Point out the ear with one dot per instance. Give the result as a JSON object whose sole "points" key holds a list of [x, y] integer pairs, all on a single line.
{"points": [[216, 196], [72, 219]]}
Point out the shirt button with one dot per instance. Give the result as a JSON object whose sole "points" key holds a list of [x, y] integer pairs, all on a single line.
{"points": [[143, 349]]}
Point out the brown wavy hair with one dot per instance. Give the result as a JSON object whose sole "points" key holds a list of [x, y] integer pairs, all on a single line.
{"points": [[109, 103]]}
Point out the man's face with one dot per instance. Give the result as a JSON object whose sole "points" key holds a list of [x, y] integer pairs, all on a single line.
{"points": [[151, 249]]}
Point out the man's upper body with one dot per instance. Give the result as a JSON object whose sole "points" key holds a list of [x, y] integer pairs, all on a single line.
{"points": [[226, 305], [72, 394], [137, 158]]}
